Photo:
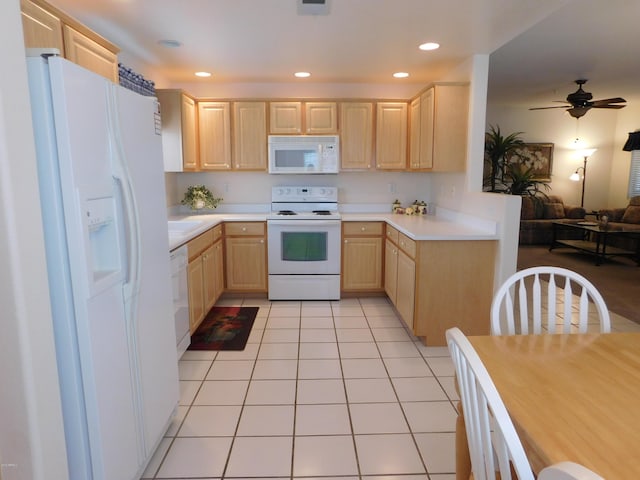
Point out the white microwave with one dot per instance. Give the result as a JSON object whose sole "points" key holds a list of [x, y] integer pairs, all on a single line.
{"points": [[304, 153]]}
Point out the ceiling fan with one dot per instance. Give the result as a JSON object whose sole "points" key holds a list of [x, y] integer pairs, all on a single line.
{"points": [[579, 102]]}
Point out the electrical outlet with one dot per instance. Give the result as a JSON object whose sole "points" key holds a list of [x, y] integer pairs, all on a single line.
{"points": [[226, 189], [392, 187]]}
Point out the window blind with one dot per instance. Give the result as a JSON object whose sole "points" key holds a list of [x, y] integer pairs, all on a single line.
{"points": [[634, 174]]}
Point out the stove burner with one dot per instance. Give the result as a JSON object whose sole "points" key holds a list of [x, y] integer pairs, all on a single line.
{"points": [[287, 212], [321, 212]]}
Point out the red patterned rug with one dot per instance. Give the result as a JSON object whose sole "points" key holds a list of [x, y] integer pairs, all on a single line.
{"points": [[224, 328]]}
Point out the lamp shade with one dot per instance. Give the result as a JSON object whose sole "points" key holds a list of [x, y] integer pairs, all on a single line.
{"points": [[633, 142], [574, 177], [587, 152]]}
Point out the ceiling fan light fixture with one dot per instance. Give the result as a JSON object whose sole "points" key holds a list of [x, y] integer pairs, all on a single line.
{"points": [[400, 75], [302, 74], [202, 74]]}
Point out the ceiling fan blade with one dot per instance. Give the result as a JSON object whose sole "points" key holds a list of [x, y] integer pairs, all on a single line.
{"points": [[608, 106], [546, 108], [606, 101]]}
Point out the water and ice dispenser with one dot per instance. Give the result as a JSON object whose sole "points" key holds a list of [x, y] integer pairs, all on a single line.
{"points": [[104, 256]]}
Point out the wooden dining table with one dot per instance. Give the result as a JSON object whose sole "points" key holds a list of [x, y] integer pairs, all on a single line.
{"points": [[571, 397]]}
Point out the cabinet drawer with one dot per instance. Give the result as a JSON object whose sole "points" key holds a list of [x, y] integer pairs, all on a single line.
{"points": [[199, 244], [362, 228], [407, 245], [217, 232], [244, 228], [392, 234]]}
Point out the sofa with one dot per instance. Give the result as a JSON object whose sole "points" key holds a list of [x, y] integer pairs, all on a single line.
{"points": [[626, 218], [539, 212]]}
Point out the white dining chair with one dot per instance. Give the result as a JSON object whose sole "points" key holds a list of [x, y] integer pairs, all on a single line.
{"points": [[517, 306], [494, 445], [568, 471]]}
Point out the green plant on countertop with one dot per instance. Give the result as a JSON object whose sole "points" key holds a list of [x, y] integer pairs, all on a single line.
{"points": [[199, 196]]}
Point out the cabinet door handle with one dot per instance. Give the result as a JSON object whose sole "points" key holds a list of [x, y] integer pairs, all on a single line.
{"points": [[261, 240], [363, 229], [244, 229]]}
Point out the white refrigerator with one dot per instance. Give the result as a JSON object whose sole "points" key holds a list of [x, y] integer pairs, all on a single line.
{"points": [[103, 203]]}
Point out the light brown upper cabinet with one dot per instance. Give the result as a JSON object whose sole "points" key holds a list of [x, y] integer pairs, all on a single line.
{"points": [[214, 135], [288, 118], [285, 117], [438, 124], [356, 135], [391, 135], [250, 135], [321, 118], [41, 27], [178, 112], [45, 26], [89, 54]]}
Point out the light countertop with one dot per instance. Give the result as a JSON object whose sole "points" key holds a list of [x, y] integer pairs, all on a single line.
{"points": [[447, 226]]}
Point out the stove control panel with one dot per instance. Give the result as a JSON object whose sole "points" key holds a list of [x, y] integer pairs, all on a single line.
{"points": [[304, 194]]}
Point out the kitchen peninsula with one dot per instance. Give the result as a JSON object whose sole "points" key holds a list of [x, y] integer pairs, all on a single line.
{"points": [[437, 270]]}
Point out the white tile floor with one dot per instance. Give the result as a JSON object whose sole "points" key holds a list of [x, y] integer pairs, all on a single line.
{"points": [[323, 389]]}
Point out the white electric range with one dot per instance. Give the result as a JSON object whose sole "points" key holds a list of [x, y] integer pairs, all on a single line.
{"points": [[303, 231]]}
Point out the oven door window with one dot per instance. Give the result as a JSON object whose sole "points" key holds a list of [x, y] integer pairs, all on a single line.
{"points": [[304, 246]]}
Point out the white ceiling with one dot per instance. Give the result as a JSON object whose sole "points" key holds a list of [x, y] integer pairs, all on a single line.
{"points": [[365, 41]]}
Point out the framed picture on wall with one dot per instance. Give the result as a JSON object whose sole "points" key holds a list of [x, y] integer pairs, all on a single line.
{"points": [[536, 155]]}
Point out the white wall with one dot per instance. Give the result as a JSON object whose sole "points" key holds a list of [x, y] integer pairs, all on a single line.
{"points": [[31, 432], [462, 192], [596, 129], [353, 187]]}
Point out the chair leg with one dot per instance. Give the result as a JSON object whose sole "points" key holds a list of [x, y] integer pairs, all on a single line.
{"points": [[463, 459]]}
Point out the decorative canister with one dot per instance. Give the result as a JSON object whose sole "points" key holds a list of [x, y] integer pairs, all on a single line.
{"points": [[395, 205]]}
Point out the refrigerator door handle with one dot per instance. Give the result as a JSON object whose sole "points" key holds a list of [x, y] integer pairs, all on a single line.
{"points": [[126, 226]]}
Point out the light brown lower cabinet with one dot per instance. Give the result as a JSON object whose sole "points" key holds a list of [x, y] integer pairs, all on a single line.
{"points": [[196, 293], [439, 284], [362, 257], [454, 287], [205, 274], [400, 274], [246, 256]]}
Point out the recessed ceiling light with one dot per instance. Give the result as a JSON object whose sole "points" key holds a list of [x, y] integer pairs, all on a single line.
{"points": [[202, 74], [401, 75], [302, 74], [170, 43], [429, 46]]}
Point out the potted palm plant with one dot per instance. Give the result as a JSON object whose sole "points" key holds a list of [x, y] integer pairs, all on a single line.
{"points": [[497, 149]]}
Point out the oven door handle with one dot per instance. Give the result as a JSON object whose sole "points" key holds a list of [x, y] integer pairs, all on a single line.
{"points": [[303, 223]]}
